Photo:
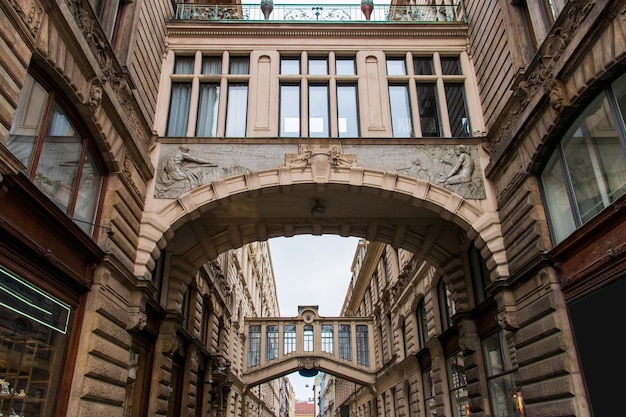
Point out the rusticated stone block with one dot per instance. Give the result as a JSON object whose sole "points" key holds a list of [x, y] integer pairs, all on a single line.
{"points": [[106, 370], [98, 409], [536, 329], [113, 331], [562, 408], [542, 370], [105, 348], [103, 391], [535, 309], [548, 346]]}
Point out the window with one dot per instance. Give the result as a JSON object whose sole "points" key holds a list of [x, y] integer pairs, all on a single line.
{"points": [[438, 103], [328, 338], [428, 388], [362, 345], [271, 342], [57, 154], [289, 338], [254, 346], [500, 361], [345, 342], [459, 400], [196, 94], [479, 273], [405, 334], [446, 305], [587, 171], [308, 338], [422, 327], [311, 78]]}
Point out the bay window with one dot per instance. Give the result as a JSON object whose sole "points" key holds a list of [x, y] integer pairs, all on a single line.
{"points": [[57, 154], [587, 171]]}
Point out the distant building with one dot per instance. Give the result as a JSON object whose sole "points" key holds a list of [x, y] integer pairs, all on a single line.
{"points": [[304, 409]]}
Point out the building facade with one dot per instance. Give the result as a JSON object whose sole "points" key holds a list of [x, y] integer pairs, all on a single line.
{"points": [[477, 147]]}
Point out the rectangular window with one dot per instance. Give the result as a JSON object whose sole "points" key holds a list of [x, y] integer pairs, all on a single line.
{"points": [[271, 342], [423, 66], [318, 111], [308, 338], [422, 326], [429, 391], [402, 127], [504, 395], [345, 342], [179, 109], [289, 339], [457, 110], [290, 66], [289, 110], [344, 66], [347, 111], [208, 105], [328, 340], [396, 66], [254, 346], [457, 383], [239, 65], [362, 345], [429, 109], [318, 66], [237, 110]]}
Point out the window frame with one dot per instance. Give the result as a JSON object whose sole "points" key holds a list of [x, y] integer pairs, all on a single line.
{"points": [[87, 154]]}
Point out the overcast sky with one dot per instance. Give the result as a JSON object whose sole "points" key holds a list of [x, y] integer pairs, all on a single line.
{"points": [[311, 270]]}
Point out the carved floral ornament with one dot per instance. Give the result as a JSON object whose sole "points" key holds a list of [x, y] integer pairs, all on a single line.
{"points": [[541, 77]]}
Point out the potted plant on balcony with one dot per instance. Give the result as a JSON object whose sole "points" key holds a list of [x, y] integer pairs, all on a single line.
{"points": [[366, 7], [266, 7]]}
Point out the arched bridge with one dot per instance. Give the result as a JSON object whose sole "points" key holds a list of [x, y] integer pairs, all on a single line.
{"points": [[308, 343]]}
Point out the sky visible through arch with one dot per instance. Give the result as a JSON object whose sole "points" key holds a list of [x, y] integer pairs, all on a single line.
{"points": [[311, 270]]}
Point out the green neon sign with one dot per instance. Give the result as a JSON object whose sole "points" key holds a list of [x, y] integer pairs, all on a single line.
{"points": [[22, 297]]}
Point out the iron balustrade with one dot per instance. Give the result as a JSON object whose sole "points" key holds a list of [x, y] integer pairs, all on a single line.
{"points": [[322, 13]]}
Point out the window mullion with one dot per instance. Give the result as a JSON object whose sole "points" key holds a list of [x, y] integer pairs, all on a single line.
{"points": [[304, 106], [332, 109]]}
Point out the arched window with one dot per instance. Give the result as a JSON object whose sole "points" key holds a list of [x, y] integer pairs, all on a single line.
{"points": [[422, 327]]}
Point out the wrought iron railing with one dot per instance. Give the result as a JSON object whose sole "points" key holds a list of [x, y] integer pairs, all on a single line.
{"points": [[323, 13]]}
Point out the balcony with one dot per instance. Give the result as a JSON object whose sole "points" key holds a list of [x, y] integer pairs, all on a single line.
{"points": [[317, 13]]}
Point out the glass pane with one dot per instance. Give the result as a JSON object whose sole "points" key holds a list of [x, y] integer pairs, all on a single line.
{"points": [[328, 338], [557, 199], [457, 111], [595, 159], [318, 111], [289, 336], [271, 342], [207, 110], [345, 342], [184, 65], [290, 66], [458, 383], [88, 195], [423, 66], [179, 109], [237, 110], [396, 67], [318, 66], [400, 111], [619, 89], [59, 160], [429, 109], [362, 345], [211, 65], [347, 111], [344, 66], [239, 65], [450, 65], [27, 120], [254, 346], [290, 110], [503, 395], [308, 338]]}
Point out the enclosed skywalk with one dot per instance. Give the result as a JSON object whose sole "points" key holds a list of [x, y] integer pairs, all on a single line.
{"points": [[308, 343]]}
